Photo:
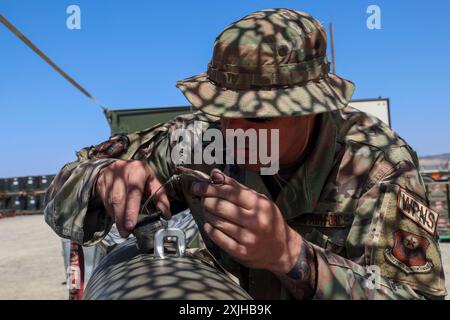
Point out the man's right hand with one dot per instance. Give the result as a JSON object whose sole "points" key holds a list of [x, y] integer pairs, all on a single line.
{"points": [[121, 187]]}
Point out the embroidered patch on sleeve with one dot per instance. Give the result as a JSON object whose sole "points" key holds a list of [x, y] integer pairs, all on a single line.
{"points": [[325, 220], [409, 253], [112, 148], [417, 211]]}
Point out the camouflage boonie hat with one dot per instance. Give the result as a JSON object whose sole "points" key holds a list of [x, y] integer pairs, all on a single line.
{"points": [[271, 63]]}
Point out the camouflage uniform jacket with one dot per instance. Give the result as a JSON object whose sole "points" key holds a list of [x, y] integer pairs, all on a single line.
{"points": [[357, 198]]}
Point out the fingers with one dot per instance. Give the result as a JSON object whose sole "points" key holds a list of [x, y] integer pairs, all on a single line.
{"points": [[228, 211], [227, 188], [121, 186], [238, 233], [117, 202], [220, 177], [135, 189], [224, 241], [104, 184], [241, 197], [161, 200]]}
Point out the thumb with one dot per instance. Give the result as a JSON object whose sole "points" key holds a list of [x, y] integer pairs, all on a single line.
{"points": [[218, 177]]}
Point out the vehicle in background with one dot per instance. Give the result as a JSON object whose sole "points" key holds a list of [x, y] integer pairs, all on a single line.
{"points": [[123, 121]]}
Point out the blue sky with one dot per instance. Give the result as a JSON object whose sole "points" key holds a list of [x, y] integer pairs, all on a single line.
{"points": [[129, 54]]}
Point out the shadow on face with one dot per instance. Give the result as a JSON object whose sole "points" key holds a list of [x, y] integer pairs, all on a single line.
{"points": [[294, 134]]}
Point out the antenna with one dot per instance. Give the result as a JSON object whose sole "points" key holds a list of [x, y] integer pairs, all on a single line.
{"points": [[333, 59], [36, 50]]}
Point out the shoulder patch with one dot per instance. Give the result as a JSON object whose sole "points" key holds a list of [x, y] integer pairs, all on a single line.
{"points": [[401, 243], [111, 148], [417, 211], [409, 253]]}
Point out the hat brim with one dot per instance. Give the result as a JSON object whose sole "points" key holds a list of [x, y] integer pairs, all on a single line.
{"points": [[324, 95]]}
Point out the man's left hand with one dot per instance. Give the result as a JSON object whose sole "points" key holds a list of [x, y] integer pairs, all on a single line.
{"points": [[247, 225]]}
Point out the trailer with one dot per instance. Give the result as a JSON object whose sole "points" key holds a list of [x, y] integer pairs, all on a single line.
{"points": [[123, 121]]}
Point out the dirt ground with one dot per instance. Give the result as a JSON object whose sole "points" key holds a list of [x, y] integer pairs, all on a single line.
{"points": [[32, 267], [31, 262]]}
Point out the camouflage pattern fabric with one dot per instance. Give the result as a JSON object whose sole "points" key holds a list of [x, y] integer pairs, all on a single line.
{"points": [[357, 199]]}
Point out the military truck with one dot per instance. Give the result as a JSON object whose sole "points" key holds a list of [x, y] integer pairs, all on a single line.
{"points": [[122, 121]]}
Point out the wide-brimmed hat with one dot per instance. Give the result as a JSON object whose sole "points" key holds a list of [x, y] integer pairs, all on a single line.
{"points": [[271, 63]]}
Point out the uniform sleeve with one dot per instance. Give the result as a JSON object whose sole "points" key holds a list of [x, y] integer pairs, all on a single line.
{"points": [[72, 209], [69, 210], [397, 231], [342, 279]]}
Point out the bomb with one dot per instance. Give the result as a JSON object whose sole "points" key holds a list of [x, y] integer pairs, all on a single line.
{"points": [[128, 272]]}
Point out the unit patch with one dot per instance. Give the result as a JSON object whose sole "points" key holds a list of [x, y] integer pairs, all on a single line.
{"points": [[112, 148], [409, 253], [417, 212]]}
